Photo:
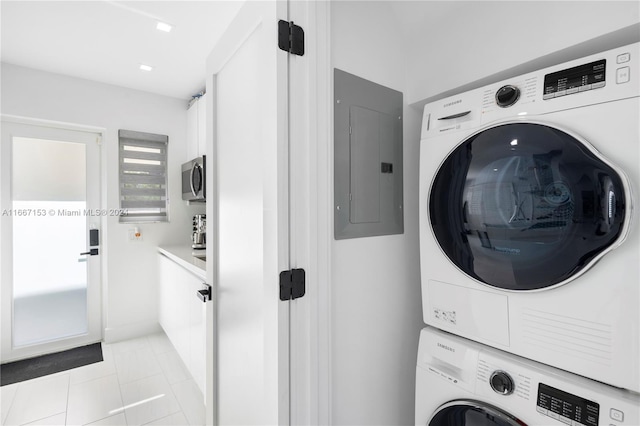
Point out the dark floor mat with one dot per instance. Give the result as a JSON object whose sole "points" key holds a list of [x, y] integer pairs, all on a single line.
{"points": [[18, 371]]}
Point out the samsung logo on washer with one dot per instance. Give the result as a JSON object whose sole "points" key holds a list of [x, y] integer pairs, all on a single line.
{"points": [[445, 347], [452, 103]]}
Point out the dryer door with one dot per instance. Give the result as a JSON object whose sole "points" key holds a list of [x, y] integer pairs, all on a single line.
{"points": [[524, 206], [472, 413]]}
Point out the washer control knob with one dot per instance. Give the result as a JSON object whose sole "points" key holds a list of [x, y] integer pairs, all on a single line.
{"points": [[507, 96], [501, 382]]}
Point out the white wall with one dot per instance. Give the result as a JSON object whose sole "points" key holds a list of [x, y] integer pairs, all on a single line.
{"points": [[375, 287], [422, 49], [130, 279], [464, 41]]}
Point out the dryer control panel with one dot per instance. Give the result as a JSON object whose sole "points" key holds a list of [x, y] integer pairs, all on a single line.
{"points": [[604, 77]]}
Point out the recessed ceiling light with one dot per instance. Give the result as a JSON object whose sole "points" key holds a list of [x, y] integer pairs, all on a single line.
{"points": [[144, 67], [163, 26]]}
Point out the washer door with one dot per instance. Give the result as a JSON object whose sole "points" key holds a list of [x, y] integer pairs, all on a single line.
{"points": [[472, 413], [524, 206]]}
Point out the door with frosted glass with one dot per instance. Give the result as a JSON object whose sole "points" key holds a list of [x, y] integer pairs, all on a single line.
{"points": [[50, 268]]}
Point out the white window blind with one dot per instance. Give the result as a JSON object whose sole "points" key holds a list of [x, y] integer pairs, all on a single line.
{"points": [[143, 176]]}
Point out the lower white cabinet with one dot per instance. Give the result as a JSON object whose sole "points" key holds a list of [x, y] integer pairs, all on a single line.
{"points": [[182, 315]]}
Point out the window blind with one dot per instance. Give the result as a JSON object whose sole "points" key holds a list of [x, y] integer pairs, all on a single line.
{"points": [[143, 176]]}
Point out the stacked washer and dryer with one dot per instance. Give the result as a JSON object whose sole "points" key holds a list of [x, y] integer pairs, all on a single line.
{"points": [[530, 249]]}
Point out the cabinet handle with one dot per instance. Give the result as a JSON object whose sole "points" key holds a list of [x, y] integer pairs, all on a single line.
{"points": [[205, 293]]}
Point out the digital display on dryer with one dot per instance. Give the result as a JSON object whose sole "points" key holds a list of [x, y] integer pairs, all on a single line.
{"points": [[573, 80], [567, 408]]}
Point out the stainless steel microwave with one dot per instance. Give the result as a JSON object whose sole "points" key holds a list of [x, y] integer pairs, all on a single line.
{"points": [[193, 179]]}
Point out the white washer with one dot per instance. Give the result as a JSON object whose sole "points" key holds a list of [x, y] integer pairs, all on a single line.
{"points": [[529, 241], [460, 382]]}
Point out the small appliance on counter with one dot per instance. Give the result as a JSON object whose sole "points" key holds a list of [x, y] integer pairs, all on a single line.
{"points": [[199, 236]]}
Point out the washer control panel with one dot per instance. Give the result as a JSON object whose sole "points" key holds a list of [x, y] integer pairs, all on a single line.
{"points": [[573, 80], [565, 407]]}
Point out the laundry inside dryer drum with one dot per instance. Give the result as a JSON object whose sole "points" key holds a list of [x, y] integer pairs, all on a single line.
{"points": [[524, 206]]}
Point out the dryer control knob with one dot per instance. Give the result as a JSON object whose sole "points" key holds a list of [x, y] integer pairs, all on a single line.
{"points": [[501, 382], [507, 96]]}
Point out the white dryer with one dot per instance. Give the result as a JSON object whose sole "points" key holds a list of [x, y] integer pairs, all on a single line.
{"points": [[528, 235], [460, 382]]}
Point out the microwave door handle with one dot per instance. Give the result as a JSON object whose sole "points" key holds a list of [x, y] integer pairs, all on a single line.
{"points": [[193, 190], [200, 179]]}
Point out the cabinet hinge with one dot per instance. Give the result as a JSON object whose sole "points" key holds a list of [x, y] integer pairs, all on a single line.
{"points": [[292, 284], [290, 38]]}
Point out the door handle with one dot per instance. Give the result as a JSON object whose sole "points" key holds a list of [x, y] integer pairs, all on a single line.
{"points": [[92, 252]]}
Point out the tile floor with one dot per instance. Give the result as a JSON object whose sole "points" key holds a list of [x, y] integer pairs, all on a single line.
{"points": [[140, 382]]}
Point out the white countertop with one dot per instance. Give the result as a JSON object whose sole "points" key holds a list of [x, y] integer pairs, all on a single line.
{"points": [[183, 256]]}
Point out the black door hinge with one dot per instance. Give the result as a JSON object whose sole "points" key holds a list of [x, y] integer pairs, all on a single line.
{"points": [[290, 38], [292, 284]]}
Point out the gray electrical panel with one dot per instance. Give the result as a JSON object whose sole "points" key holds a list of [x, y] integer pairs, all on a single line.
{"points": [[367, 158]]}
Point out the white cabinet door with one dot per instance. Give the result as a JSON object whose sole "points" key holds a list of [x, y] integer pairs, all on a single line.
{"points": [[196, 129], [202, 125], [164, 296], [192, 132], [182, 316], [197, 338]]}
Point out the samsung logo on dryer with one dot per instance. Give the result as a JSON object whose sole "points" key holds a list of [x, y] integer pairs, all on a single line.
{"points": [[452, 103], [445, 347]]}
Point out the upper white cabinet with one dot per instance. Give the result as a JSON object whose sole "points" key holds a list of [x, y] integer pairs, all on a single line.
{"points": [[196, 128]]}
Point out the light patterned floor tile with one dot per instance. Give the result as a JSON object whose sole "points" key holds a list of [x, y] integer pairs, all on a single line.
{"points": [[140, 381], [173, 367], [191, 400], [135, 344], [160, 343], [136, 365], [94, 400], [176, 419], [148, 399], [7, 393], [38, 399], [117, 420], [55, 420]]}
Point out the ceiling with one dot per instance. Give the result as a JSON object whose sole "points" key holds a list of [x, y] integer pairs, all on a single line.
{"points": [[106, 41]]}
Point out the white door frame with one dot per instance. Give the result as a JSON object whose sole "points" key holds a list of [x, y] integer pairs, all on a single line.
{"points": [[58, 130], [311, 141]]}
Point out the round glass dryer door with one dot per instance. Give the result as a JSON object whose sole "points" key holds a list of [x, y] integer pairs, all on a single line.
{"points": [[524, 206], [472, 413]]}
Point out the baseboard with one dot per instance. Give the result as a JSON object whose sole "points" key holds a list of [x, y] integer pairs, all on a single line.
{"points": [[130, 331]]}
